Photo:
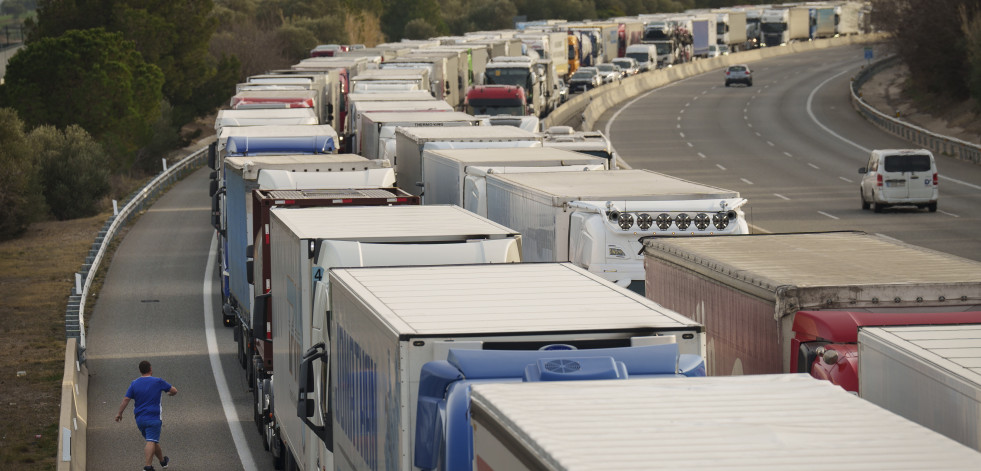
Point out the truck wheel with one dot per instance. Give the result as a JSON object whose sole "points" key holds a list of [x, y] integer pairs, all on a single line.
{"points": [[932, 207], [877, 207], [241, 350], [865, 204], [727, 83]]}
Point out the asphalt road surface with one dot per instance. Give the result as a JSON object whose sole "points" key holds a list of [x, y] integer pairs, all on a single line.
{"points": [[792, 145]]}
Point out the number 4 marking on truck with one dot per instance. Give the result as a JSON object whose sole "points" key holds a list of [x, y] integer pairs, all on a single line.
{"points": [[317, 275]]}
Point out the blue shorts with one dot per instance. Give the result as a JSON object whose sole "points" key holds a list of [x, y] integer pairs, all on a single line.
{"points": [[150, 429]]}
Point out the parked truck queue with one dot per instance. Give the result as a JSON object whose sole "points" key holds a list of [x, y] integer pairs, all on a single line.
{"points": [[399, 273]]}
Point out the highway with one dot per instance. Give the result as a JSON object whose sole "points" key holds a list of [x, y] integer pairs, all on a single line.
{"points": [[791, 144]]}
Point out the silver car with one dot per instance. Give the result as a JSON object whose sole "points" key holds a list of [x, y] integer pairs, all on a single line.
{"points": [[610, 72], [739, 73], [628, 65]]}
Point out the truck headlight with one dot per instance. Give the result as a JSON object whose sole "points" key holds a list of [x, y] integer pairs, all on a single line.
{"points": [[625, 221], [644, 221], [663, 221], [702, 221], [682, 220]]}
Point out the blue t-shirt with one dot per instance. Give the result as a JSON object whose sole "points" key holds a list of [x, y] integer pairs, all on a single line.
{"points": [[146, 391]]}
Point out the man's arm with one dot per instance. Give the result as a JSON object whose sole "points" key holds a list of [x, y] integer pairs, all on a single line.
{"points": [[172, 391], [122, 407]]}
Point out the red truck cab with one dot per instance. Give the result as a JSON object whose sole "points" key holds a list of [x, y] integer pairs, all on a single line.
{"points": [[496, 100], [825, 343]]}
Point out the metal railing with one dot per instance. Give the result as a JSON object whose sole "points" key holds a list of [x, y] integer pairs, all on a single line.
{"points": [[936, 143]]}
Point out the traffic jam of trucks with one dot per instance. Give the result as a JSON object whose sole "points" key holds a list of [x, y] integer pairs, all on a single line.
{"points": [[412, 268]]}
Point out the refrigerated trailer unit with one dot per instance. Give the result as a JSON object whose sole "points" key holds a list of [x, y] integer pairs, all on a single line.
{"points": [[386, 323], [260, 117], [595, 219], [306, 243], [928, 374], [748, 289], [457, 176], [412, 141], [760, 422]]}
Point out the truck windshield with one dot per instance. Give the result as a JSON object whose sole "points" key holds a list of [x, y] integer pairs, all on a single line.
{"points": [[494, 107], [509, 76], [639, 56], [655, 34], [572, 52], [721, 28], [663, 48], [774, 27]]}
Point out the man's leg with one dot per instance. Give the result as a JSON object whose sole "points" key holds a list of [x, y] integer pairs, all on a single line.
{"points": [[148, 451], [158, 452]]}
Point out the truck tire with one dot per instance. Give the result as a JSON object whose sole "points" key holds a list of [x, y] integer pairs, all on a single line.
{"points": [[878, 207], [865, 204], [932, 207]]}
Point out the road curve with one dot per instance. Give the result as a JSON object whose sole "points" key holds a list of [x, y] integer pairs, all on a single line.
{"points": [[792, 145]]}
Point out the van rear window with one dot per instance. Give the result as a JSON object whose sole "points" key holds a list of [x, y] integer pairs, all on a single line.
{"points": [[908, 163]]}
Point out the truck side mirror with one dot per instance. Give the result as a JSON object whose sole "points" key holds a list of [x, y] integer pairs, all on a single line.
{"points": [[213, 155], [259, 307], [305, 407], [249, 267]]}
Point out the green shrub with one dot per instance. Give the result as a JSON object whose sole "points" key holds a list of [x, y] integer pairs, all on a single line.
{"points": [[73, 170], [20, 196]]}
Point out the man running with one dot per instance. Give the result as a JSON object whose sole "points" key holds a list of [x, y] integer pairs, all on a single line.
{"points": [[146, 391]]}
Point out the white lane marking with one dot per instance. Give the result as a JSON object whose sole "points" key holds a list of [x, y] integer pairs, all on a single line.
{"points": [[746, 181], [887, 237], [815, 167], [778, 195], [687, 104], [746, 117], [701, 155], [745, 110], [751, 125], [949, 214], [695, 98], [828, 215], [234, 424], [810, 112], [969, 185], [758, 134], [682, 135], [769, 143], [705, 91], [679, 118], [720, 166], [682, 112], [679, 127], [690, 144], [788, 154], [845, 179]]}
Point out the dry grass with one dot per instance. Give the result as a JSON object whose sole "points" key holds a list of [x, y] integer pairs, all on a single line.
{"points": [[37, 273]]}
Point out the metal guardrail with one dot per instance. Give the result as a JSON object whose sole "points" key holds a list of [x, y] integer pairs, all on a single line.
{"points": [[937, 143]]}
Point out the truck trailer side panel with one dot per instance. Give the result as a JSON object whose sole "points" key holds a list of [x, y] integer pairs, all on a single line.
{"points": [[747, 289], [928, 374]]}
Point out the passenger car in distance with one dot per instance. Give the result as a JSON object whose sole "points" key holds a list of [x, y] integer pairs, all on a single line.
{"points": [[716, 50], [900, 177], [609, 71], [628, 65], [739, 73], [563, 91], [586, 78]]}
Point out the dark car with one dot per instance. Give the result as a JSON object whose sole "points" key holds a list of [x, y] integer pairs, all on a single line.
{"points": [[739, 73], [586, 78]]}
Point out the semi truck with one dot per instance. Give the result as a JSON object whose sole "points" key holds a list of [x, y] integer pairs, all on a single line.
{"points": [[825, 343], [361, 107], [278, 98], [390, 80], [458, 176], [396, 335], [748, 290], [587, 142], [548, 45], [594, 219], [253, 330], [755, 422], [780, 26], [288, 116], [928, 374], [731, 29], [822, 19], [241, 175], [377, 129], [412, 142], [534, 76], [847, 17], [493, 100], [306, 243], [703, 31]]}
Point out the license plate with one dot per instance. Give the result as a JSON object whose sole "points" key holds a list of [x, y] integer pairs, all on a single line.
{"points": [[895, 183]]}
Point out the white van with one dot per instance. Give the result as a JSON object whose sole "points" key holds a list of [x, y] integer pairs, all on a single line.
{"points": [[900, 177], [644, 54]]}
